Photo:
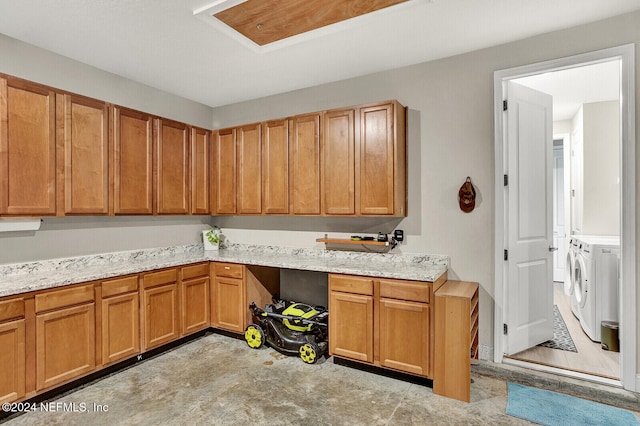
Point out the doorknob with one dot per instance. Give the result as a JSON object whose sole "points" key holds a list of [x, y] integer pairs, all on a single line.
{"points": [[553, 248]]}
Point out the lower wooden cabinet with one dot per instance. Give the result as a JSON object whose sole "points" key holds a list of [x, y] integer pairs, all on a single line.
{"points": [[65, 344], [12, 350], [12, 361], [351, 326], [194, 286], [384, 322], [120, 317], [228, 304], [160, 307], [405, 330]]}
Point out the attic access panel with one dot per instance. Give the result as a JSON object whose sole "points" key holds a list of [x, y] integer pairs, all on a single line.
{"points": [[268, 21]]}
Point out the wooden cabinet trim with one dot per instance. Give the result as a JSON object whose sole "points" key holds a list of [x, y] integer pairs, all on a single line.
{"points": [[119, 286], [195, 271], [65, 297], [230, 270], [11, 309], [158, 278], [351, 284], [406, 290]]}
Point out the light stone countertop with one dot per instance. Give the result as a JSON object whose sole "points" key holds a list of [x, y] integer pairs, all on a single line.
{"points": [[31, 276]]}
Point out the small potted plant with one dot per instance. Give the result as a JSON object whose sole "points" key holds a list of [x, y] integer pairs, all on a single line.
{"points": [[212, 238]]}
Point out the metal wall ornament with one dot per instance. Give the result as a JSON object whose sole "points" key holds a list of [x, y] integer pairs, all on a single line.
{"points": [[467, 196]]}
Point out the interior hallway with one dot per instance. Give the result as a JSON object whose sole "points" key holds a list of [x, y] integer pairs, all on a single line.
{"points": [[590, 358]]}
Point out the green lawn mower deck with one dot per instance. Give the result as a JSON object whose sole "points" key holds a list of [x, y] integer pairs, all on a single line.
{"points": [[290, 328]]}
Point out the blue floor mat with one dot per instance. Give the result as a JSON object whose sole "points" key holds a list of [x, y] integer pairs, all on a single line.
{"points": [[551, 408]]}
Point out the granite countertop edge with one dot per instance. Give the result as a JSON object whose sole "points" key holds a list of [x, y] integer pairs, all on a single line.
{"points": [[26, 277]]}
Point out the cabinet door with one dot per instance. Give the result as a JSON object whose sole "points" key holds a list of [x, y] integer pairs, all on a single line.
{"points": [[225, 172], [376, 160], [404, 336], [338, 163], [229, 304], [195, 305], [305, 164], [200, 157], [12, 361], [133, 162], [27, 149], [351, 326], [84, 127], [275, 167], [120, 327], [161, 319], [65, 345], [249, 143], [172, 148]]}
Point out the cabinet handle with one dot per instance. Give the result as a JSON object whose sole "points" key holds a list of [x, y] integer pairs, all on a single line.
{"points": [[227, 267]]}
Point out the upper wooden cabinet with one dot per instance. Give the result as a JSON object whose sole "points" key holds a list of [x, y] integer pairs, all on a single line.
{"points": [[83, 153], [304, 171], [172, 164], [339, 162], [382, 160], [275, 167], [364, 161], [224, 166], [249, 149], [200, 171], [132, 160], [27, 148]]}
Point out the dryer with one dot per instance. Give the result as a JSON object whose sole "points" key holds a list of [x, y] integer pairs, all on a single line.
{"points": [[596, 282]]}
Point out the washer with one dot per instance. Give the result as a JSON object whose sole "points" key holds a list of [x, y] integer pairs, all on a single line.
{"points": [[569, 273], [596, 282]]}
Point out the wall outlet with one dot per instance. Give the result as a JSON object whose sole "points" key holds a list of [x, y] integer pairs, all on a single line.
{"points": [[398, 234]]}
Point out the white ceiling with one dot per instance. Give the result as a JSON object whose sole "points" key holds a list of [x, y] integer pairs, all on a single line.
{"points": [[576, 86], [162, 44]]}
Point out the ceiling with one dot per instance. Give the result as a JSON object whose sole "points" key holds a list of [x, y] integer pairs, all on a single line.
{"points": [[162, 44], [573, 87]]}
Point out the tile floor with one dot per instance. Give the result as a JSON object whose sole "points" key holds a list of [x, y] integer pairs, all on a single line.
{"points": [[218, 380]]}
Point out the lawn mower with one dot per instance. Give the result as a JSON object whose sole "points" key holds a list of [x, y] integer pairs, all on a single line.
{"points": [[290, 328]]}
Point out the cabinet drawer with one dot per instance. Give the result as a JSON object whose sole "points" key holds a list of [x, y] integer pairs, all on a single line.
{"points": [[348, 284], [11, 309], [158, 278], [195, 271], [405, 290], [119, 286], [230, 270], [66, 297]]}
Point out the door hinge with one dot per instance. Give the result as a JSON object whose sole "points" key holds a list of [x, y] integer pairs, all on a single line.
{"points": [[506, 255], [504, 105], [505, 180], [505, 329]]}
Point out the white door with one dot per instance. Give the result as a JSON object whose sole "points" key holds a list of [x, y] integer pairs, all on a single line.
{"points": [[560, 255], [529, 308]]}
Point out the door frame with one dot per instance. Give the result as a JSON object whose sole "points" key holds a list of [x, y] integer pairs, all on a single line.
{"points": [[628, 320]]}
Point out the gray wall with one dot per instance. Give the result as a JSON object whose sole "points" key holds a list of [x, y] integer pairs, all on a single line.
{"points": [[451, 136], [72, 236]]}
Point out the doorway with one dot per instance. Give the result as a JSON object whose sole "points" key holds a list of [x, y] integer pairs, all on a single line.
{"points": [[626, 367]]}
